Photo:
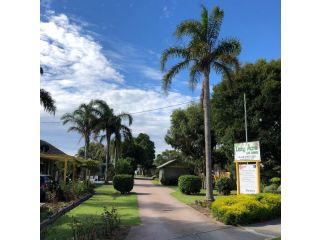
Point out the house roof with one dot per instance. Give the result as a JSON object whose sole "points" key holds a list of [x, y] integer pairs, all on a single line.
{"points": [[47, 148], [167, 163]]}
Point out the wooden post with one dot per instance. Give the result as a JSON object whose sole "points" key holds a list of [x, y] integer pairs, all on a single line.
{"points": [[65, 171], [258, 175], [238, 180]]}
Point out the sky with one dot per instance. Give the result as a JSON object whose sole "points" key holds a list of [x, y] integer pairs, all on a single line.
{"points": [[110, 50]]}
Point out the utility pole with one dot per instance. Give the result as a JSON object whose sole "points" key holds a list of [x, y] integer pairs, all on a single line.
{"points": [[245, 116]]}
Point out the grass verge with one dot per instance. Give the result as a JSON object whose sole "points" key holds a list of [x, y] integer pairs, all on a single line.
{"points": [[189, 199], [127, 206]]}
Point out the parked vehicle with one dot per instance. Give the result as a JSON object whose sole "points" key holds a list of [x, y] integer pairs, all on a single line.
{"points": [[46, 183]]}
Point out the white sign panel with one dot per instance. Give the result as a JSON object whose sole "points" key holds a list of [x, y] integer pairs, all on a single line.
{"points": [[248, 178], [249, 151]]}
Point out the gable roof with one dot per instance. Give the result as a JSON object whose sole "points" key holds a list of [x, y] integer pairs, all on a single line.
{"points": [[167, 163], [47, 148]]}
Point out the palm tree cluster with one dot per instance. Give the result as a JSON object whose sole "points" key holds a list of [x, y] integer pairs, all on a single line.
{"points": [[97, 120], [203, 51]]}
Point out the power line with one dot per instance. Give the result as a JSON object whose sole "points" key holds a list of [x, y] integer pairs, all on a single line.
{"points": [[145, 111]]}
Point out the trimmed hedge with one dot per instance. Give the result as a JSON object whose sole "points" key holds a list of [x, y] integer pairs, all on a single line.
{"points": [[224, 185], [123, 183], [169, 181], [189, 184], [245, 209]]}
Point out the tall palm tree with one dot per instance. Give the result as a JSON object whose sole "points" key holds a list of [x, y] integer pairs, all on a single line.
{"points": [[203, 52], [46, 99], [83, 120], [110, 124], [104, 116], [121, 131]]}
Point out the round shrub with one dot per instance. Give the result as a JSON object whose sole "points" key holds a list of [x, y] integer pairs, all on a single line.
{"points": [[224, 185], [189, 184], [279, 189], [275, 181], [169, 181], [270, 188], [123, 183]]}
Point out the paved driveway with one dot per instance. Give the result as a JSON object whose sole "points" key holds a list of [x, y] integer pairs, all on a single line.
{"points": [[163, 217]]}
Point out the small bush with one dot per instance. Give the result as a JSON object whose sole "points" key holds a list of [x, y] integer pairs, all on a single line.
{"points": [[245, 209], [189, 184], [123, 183], [276, 181], [270, 188], [169, 181], [224, 185]]}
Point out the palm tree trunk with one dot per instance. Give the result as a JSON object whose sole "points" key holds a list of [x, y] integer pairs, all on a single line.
{"points": [[107, 156], [207, 135]]}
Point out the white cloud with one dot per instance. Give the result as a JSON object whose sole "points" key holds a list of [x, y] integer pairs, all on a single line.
{"points": [[77, 71], [151, 73]]}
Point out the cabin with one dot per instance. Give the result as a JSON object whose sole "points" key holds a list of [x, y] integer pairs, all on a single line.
{"points": [[170, 171]]}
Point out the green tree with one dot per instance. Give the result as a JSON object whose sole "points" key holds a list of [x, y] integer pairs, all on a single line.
{"points": [[204, 52], [261, 82], [46, 99], [83, 122], [143, 140], [166, 156], [186, 134], [95, 152], [109, 123]]}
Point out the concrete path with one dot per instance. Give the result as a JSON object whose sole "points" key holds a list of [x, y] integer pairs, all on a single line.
{"points": [[164, 217]]}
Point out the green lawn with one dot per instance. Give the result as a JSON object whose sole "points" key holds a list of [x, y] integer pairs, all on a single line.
{"points": [[127, 206], [192, 198]]}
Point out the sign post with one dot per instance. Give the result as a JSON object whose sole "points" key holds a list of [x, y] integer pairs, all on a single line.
{"points": [[248, 174]]}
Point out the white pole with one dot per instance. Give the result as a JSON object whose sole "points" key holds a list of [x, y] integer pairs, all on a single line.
{"points": [[245, 116]]}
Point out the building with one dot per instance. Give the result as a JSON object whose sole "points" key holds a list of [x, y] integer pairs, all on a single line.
{"points": [[170, 171]]}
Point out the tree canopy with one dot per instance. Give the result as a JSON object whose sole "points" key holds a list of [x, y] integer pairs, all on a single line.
{"points": [[261, 82]]}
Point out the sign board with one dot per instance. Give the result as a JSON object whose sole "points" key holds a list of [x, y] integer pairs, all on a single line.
{"points": [[248, 178], [249, 151]]}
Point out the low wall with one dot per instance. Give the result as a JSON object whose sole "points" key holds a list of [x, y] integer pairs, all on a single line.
{"points": [[61, 212]]}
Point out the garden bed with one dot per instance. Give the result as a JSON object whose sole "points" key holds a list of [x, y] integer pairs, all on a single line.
{"points": [[55, 210], [245, 209]]}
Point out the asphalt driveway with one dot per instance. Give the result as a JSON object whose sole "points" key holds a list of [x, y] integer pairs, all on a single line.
{"points": [[164, 217]]}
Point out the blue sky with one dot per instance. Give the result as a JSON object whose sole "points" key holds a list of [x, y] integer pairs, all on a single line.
{"points": [[111, 49]]}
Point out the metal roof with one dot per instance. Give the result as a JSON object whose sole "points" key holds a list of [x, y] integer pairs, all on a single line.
{"points": [[167, 163]]}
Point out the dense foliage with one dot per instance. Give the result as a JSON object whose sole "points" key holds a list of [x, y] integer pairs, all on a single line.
{"points": [[244, 209], [95, 152], [124, 166], [189, 184], [261, 82], [224, 185], [141, 149], [169, 181], [186, 134], [123, 183]]}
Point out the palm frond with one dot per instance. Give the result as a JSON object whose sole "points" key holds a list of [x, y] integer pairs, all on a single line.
{"points": [[230, 46], [194, 75], [188, 28], [174, 52], [126, 116], [214, 24], [167, 78], [47, 101]]}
